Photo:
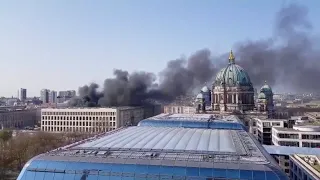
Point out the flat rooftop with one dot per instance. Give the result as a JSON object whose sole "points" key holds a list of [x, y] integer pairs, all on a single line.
{"points": [[266, 119], [290, 150], [300, 128], [170, 140], [159, 152], [195, 117], [306, 160], [200, 121], [165, 144], [92, 108]]}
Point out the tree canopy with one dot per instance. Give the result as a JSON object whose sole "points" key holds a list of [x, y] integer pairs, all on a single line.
{"points": [[5, 135]]}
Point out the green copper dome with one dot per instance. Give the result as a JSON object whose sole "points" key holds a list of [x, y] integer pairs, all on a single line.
{"points": [[261, 96], [266, 89], [233, 74], [205, 89], [200, 96]]}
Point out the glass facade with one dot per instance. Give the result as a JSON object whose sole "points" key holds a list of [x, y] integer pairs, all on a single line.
{"points": [[58, 170], [193, 124]]}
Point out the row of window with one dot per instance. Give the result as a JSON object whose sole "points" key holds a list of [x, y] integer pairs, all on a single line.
{"points": [[16, 124], [268, 124], [15, 117], [311, 144], [76, 129], [76, 123], [177, 109], [296, 144], [77, 118], [288, 136], [296, 136], [288, 143], [307, 136], [80, 113]]}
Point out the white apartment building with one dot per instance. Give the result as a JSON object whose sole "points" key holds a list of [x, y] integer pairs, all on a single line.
{"points": [[91, 120], [304, 167], [298, 135], [264, 129], [176, 109]]}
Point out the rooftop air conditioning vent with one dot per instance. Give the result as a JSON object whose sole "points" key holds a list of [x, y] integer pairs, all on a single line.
{"points": [[150, 154]]}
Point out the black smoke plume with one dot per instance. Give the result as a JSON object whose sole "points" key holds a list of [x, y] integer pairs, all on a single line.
{"points": [[179, 78], [289, 58]]}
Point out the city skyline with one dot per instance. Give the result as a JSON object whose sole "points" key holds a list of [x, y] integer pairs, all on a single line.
{"points": [[48, 45]]}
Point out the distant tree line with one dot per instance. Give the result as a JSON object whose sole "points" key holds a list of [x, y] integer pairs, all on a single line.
{"points": [[16, 151]]}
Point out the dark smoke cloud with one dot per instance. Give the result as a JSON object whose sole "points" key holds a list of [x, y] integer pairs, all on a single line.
{"points": [[178, 78], [288, 58]]}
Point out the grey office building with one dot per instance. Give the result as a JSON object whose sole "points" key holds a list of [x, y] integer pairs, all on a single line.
{"points": [[44, 95], [53, 97], [23, 94]]}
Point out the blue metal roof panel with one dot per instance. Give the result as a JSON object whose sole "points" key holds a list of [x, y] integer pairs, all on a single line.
{"points": [[193, 124], [157, 152], [43, 169]]}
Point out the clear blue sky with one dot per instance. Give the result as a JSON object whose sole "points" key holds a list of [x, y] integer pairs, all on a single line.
{"points": [[64, 44]]}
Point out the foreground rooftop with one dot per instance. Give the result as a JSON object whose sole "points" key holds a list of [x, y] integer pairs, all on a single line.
{"points": [[211, 121], [157, 153], [310, 163], [290, 150]]}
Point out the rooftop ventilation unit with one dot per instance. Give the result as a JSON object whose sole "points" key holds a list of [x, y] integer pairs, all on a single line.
{"points": [[150, 154]]}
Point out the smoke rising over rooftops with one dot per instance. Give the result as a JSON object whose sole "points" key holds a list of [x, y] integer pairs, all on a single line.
{"points": [[290, 58]]}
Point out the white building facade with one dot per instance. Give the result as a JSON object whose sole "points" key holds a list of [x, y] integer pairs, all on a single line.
{"points": [[91, 120], [264, 129], [298, 136], [176, 109]]}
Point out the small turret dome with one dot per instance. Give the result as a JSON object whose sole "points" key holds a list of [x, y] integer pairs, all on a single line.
{"points": [[261, 96], [205, 89], [200, 96], [266, 89]]}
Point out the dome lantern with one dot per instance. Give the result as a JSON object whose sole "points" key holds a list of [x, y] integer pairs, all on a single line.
{"points": [[231, 58]]}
